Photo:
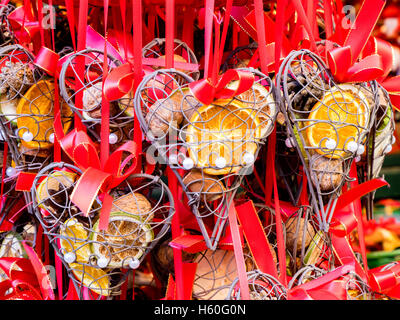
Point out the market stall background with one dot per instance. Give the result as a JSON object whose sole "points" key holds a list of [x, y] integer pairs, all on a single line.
{"points": [[254, 155]]}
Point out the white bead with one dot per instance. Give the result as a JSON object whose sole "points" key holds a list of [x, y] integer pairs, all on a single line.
{"points": [[11, 171], [393, 139], [220, 162], [387, 149], [69, 257], [188, 163], [102, 262], [51, 138], [352, 146], [113, 138], [70, 223], [360, 149], [289, 142], [134, 263], [330, 144], [357, 159], [173, 159], [27, 136], [248, 158]]}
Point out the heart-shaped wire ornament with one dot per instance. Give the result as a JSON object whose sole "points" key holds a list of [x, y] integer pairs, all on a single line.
{"points": [[327, 123], [208, 147], [91, 89], [95, 259]]}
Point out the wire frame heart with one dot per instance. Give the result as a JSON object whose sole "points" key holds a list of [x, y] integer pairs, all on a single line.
{"points": [[91, 89], [328, 124], [95, 259], [156, 49], [209, 148]]}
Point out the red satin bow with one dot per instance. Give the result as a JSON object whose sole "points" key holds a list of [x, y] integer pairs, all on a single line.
{"points": [[96, 177], [206, 92], [386, 280], [24, 24], [27, 277]]}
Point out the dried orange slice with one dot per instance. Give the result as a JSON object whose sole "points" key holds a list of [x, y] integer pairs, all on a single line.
{"points": [[225, 130], [337, 120], [75, 241], [36, 114]]}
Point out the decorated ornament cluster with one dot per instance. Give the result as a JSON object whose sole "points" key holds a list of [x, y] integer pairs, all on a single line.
{"points": [[206, 150]]}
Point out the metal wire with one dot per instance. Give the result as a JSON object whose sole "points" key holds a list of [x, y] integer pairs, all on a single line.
{"points": [[187, 138], [262, 286], [327, 123], [141, 214]]}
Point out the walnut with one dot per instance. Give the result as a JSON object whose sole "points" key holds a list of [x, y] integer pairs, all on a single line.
{"points": [[326, 173], [134, 203], [92, 97], [296, 228], [161, 115], [205, 185]]}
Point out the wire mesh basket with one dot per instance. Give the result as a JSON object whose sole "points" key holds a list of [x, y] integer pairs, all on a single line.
{"points": [[262, 286], [209, 148], [141, 214], [328, 124], [156, 49], [88, 86]]}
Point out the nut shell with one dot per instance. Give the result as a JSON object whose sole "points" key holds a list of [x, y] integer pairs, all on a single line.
{"points": [[297, 228], [207, 186], [134, 203], [327, 173]]}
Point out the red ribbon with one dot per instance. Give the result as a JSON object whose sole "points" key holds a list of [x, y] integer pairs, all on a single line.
{"points": [[27, 277], [96, 177], [206, 92], [386, 281]]}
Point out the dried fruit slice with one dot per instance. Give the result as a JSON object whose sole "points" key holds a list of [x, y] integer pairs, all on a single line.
{"points": [[223, 130], [36, 114], [314, 250], [74, 240], [9, 109], [339, 118], [53, 188], [125, 239]]}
